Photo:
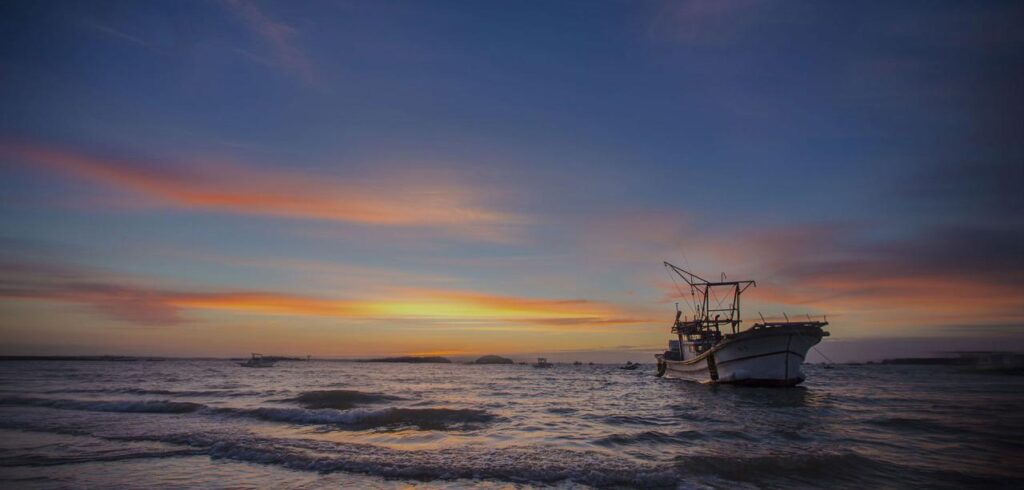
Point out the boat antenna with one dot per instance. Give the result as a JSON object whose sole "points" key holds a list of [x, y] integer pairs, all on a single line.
{"points": [[762, 317], [784, 314]]}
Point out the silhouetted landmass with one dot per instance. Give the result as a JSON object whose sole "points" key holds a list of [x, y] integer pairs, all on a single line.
{"points": [[996, 362], [275, 359], [494, 360], [80, 358], [414, 359], [930, 361]]}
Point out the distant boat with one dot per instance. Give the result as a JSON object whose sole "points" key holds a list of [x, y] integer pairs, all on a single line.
{"points": [[630, 365], [542, 363], [577, 363], [768, 353], [258, 361]]}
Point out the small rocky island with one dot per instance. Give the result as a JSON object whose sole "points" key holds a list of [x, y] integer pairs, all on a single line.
{"points": [[494, 360], [414, 359]]}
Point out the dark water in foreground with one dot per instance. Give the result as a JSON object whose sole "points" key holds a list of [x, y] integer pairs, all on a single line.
{"points": [[316, 424]]}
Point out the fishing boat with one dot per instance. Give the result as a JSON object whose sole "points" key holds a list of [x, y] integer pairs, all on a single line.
{"points": [[258, 361], [630, 366], [542, 363], [714, 348]]}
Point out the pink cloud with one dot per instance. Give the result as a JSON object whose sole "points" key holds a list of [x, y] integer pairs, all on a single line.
{"points": [[421, 203]]}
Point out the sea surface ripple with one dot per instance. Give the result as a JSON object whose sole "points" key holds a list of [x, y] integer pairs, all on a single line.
{"points": [[211, 423]]}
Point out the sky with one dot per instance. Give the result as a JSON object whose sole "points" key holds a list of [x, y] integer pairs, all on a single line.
{"points": [[364, 178]]}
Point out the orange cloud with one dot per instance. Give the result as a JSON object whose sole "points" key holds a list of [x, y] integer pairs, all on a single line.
{"points": [[936, 277], [416, 304], [129, 301], [423, 203]]}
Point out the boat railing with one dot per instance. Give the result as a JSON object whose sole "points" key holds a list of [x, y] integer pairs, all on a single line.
{"points": [[809, 324]]}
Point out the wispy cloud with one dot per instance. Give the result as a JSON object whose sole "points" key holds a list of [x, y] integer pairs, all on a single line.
{"points": [[278, 36], [703, 22], [438, 203], [114, 33], [143, 302]]}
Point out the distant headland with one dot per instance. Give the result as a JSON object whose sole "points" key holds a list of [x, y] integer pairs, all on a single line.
{"points": [[493, 360], [413, 359]]}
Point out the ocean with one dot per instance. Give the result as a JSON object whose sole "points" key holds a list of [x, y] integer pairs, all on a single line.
{"points": [[213, 424]]}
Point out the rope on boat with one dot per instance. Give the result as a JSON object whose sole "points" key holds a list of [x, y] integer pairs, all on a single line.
{"points": [[822, 354], [693, 299]]}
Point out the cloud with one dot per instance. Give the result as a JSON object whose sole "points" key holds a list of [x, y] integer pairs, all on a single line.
{"points": [[114, 33], [421, 202], [929, 277], [118, 298], [278, 36], [704, 22], [144, 303]]}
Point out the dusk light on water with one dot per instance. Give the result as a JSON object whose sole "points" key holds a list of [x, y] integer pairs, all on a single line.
{"points": [[625, 244]]}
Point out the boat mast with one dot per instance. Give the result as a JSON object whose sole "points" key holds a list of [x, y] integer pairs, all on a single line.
{"points": [[703, 310]]}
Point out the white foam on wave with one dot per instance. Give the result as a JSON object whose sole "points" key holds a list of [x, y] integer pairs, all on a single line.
{"points": [[426, 418], [514, 464]]}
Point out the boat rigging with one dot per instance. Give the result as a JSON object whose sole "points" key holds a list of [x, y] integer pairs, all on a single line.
{"points": [[767, 353]]}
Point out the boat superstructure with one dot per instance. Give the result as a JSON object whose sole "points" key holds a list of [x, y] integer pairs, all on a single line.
{"points": [[258, 361], [713, 348]]}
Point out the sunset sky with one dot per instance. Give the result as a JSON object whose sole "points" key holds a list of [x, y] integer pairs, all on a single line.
{"points": [[373, 178]]}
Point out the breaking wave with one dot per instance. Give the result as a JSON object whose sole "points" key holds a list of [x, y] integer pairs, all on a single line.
{"points": [[123, 406], [422, 418], [507, 464], [40, 460], [357, 418], [339, 399], [176, 393]]}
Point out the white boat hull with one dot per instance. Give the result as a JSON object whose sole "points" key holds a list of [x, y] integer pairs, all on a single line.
{"points": [[771, 356]]}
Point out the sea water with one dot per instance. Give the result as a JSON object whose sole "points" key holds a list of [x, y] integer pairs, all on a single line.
{"points": [[213, 424]]}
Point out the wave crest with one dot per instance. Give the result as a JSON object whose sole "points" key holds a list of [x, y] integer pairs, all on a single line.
{"points": [[122, 406], [339, 399], [422, 418]]}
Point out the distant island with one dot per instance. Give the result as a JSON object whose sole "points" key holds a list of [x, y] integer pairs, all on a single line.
{"points": [[277, 358], [413, 359], [930, 361], [81, 358], [494, 360], [990, 361]]}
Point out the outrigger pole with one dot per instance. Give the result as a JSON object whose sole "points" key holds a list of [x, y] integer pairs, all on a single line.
{"points": [[702, 317]]}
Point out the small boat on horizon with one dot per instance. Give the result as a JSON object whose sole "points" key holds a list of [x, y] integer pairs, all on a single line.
{"points": [[542, 363], [630, 365], [767, 354], [258, 361]]}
